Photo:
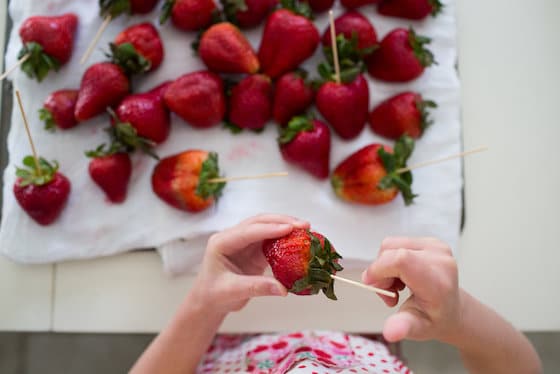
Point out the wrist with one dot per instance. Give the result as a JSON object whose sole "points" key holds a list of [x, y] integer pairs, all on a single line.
{"points": [[199, 301], [459, 335]]}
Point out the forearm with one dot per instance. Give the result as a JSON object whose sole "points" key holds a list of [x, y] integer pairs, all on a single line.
{"points": [[489, 344], [182, 344]]}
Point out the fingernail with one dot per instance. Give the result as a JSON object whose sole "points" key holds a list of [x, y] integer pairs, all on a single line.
{"points": [[364, 276], [284, 226], [276, 290]]}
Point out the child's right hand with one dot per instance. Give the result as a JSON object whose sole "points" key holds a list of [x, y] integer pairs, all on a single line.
{"points": [[427, 267]]}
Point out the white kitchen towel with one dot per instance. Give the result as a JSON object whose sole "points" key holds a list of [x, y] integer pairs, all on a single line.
{"points": [[91, 227]]}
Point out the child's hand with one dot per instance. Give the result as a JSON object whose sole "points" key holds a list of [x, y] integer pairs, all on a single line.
{"points": [[427, 267], [233, 266]]}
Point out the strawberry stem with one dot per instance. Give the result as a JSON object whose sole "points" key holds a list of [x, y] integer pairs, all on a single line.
{"points": [[418, 44], [294, 127], [128, 58], [210, 170], [38, 174], [38, 64], [392, 162]]}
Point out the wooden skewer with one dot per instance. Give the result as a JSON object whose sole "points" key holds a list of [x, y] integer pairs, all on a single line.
{"points": [[433, 162], [35, 157], [15, 66], [96, 38], [364, 286], [260, 176], [334, 48]]}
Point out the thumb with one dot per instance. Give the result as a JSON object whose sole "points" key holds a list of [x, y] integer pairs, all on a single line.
{"points": [[405, 324], [246, 287]]}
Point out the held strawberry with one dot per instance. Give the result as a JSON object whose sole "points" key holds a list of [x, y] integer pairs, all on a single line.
{"points": [[224, 49], [401, 57], [188, 15], [410, 9], [403, 114], [115, 8], [250, 103], [182, 180], [371, 175], [303, 262], [110, 170], [48, 41], [292, 96], [58, 110], [289, 38], [198, 98], [247, 13], [146, 42], [353, 4], [41, 192], [306, 142]]}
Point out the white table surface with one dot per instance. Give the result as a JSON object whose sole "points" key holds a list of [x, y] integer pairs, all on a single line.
{"points": [[508, 256]]}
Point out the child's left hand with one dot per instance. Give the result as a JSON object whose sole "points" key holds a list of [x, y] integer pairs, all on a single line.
{"points": [[233, 266]]}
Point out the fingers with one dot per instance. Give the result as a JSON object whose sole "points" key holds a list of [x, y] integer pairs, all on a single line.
{"points": [[418, 244], [243, 287], [241, 236], [277, 218]]}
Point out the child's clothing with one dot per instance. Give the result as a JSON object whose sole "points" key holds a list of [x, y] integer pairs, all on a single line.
{"points": [[305, 352]]}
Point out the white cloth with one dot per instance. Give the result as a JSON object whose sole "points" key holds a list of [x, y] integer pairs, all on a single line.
{"points": [[91, 227]]}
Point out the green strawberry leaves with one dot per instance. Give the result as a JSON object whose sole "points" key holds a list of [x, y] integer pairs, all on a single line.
{"points": [[128, 58], [114, 8], [231, 7], [323, 262], [294, 127], [125, 138], [38, 64], [423, 107], [418, 44], [38, 176], [301, 8], [437, 7], [393, 163], [47, 117], [210, 170], [166, 11]]}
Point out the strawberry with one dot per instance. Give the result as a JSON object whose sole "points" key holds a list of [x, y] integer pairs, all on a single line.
{"points": [[371, 175], [188, 15], [111, 171], [292, 96], [410, 9], [41, 191], [182, 180], [353, 23], [406, 113], [306, 142], [303, 261], [103, 85], [115, 8], [145, 40], [320, 5], [289, 38], [353, 4], [48, 41], [345, 105], [146, 112], [401, 57], [247, 13], [224, 49], [250, 104], [198, 98], [58, 110]]}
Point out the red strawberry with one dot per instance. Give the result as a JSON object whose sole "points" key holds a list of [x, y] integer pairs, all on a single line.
{"points": [[118, 7], [103, 85], [351, 23], [182, 180], [188, 15], [303, 262], [289, 38], [58, 110], [146, 112], [371, 175], [402, 57], [198, 98], [41, 191], [345, 106], [307, 143], [353, 4], [403, 114], [111, 172], [411, 9], [247, 13], [292, 96], [250, 104], [49, 42], [320, 5], [224, 49], [146, 41]]}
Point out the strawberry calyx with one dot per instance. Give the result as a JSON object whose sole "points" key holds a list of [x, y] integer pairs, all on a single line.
{"points": [[30, 174], [437, 7], [294, 127], [114, 8], [210, 170], [322, 264], [423, 106], [100, 151], [166, 11], [231, 7], [47, 117], [395, 161], [128, 58], [418, 44], [300, 8], [125, 138], [350, 58], [38, 64]]}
